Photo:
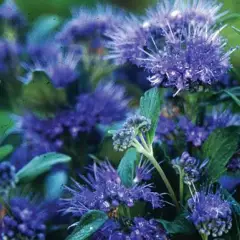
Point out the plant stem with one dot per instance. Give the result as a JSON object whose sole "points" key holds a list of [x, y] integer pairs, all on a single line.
{"points": [[164, 178], [144, 142], [204, 236], [148, 153], [181, 186]]}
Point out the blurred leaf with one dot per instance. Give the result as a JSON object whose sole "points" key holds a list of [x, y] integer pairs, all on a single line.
{"points": [[234, 97], [53, 184], [126, 168], [12, 137], [5, 151], [6, 123], [150, 105], [40, 96], [236, 29], [218, 149], [229, 18], [89, 224], [179, 225], [43, 28], [34, 9], [41, 164], [235, 205]]}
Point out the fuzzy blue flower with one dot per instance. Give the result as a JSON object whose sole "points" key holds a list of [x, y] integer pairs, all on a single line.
{"points": [[8, 56], [190, 167], [10, 14], [126, 41], [7, 177], [194, 134], [222, 118], [194, 59], [103, 190], [210, 213], [61, 67], [107, 104], [166, 129], [89, 25], [182, 13], [137, 228], [177, 50], [24, 221], [234, 164]]}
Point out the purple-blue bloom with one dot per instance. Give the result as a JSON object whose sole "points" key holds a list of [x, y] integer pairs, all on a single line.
{"points": [[180, 13], [166, 129], [24, 221], [89, 25], [60, 67], [103, 190], [194, 134], [190, 167], [174, 46], [7, 177], [234, 164], [9, 13], [137, 228], [210, 213], [107, 104], [222, 118]]}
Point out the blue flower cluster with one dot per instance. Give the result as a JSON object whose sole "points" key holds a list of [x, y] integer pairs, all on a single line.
{"points": [[106, 105], [105, 191], [124, 137], [175, 43], [210, 213], [7, 177], [191, 167], [171, 127], [25, 221], [138, 228], [78, 86]]}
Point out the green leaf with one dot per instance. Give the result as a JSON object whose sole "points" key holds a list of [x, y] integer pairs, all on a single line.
{"points": [[126, 168], [5, 151], [218, 149], [41, 164], [40, 96], [88, 225], [233, 96], [236, 29], [229, 18], [179, 225], [6, 122], [235, 205], [150, 105], [43, 28]]}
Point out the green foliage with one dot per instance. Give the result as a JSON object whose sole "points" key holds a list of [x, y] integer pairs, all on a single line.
{"points": [[179, 226], [5, 151], [150, 105], [218, 149], [235, 205], [126, 168], [40, 96], [5, 123], [233, 96], [43, 28], [88, 225], [39, 165]]}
